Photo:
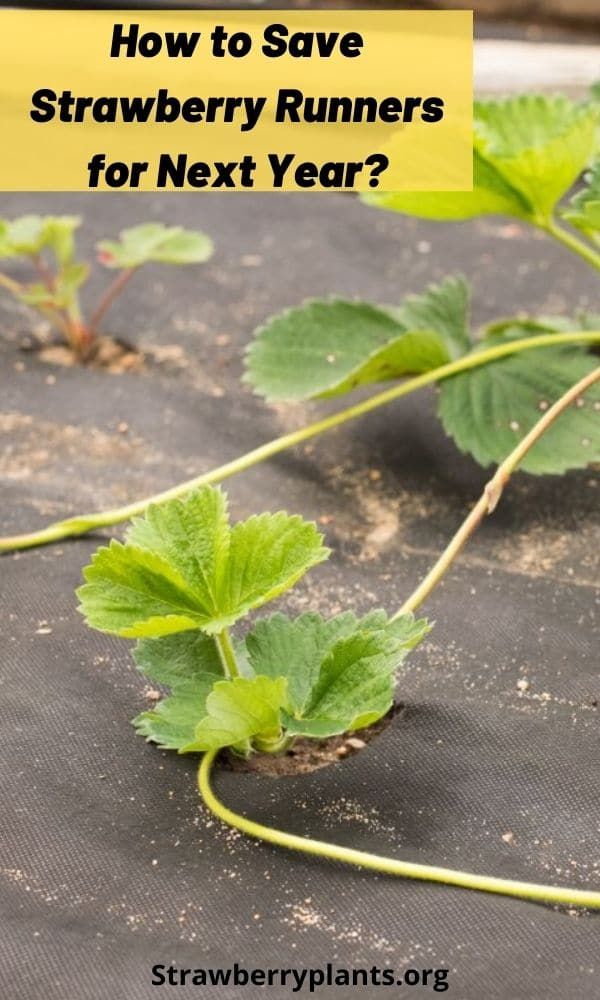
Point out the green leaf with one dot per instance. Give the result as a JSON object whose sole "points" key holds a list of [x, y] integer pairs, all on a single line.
{"points": [[192, 536], [489, 409], [354, 688], [174, 660], [312, 350], [325, 348], [527, 152], [335, 678], [268, 554], [154, 242], [583, 210], [188, 663], [539, 144], [443, 308], [298, 665], [295, 648], [183, 567], [407, 630], [59, 236], [134, 593], [37, 294], [66, 282], [21, 236], [491, 195], [238, 710], [71, 277], [30, 234]]}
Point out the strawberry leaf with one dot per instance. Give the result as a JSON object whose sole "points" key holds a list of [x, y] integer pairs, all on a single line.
{"points": [[294, 648], [239, 710], [539, 144], [443, 308], [268, 554], [71, 277], [305, 676], [30, 234], [325, 348], [189, 664], [583, 210], [339, 672], [134, 593], [183, 567], [154, 242], [59, 236], [192, 536], [355, 687], [173, 660], [527, 152], [489, 409], [491, 195]]}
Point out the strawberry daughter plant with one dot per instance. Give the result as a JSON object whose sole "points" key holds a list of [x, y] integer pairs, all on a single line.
{"points": [[185, 577], [47, 244]]}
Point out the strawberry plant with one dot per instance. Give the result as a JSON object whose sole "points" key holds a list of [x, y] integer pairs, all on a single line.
{"points": [[184, 577], [48, 244], [528, 152]]}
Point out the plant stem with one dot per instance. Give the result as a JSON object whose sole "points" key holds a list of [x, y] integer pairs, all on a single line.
{"points": [[409, 869], [58, 319], [83, 523], [572, 242], [48, 279], [111, 293], [493, 491], [278, 745], [68, 320], [227, 654], [55, 315], [388, 866]]}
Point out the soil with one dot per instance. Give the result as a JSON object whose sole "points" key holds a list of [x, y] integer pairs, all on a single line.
{"points": [[106, 353], [311, 755]]}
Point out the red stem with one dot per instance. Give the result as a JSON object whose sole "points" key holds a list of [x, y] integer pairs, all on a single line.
{"points": [[111, 293], [44, 272]]}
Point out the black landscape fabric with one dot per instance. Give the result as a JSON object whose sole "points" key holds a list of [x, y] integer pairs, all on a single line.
{"points": [[109, 863]]}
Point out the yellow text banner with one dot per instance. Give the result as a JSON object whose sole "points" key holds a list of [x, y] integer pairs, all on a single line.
{"points": [[236, 100]]}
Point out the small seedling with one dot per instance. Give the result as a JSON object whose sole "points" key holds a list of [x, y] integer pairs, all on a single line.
{"points": [[48, 244], [528, 152], [184, 577]]}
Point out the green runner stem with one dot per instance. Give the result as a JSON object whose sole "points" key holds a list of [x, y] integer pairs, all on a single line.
{"points": [[573, 243], [492, 492], [408, 869], [84, 523], [388, 866], [227, 653]]}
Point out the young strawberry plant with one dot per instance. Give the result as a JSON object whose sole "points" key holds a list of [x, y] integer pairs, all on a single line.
{"points": [[184, 577], [528, 152], [47, 243]]}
